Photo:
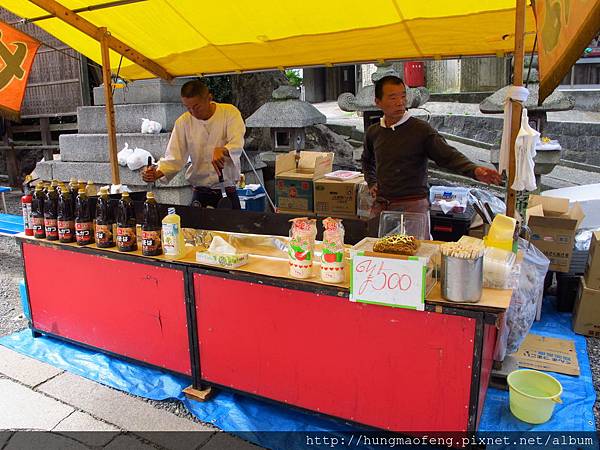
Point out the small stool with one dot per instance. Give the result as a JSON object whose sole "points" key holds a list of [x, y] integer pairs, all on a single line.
{"points": [[4, 189]]}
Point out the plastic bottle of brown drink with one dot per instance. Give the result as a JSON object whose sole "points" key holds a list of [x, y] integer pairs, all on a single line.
{"points": [[104, 220], [50, 205], [126, 237], [84, 226], [65, 216], [37, 212], [73, 189], [151, 228]]}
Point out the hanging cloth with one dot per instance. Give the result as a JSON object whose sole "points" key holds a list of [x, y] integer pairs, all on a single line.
{"points": [[518, 93], [525, 144]]}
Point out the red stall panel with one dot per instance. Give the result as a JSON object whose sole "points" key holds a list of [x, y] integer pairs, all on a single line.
{"points": [[390, 368], [487, 362], [132, 309]]}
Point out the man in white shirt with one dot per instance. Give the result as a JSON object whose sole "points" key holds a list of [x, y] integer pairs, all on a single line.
{"points": [[211, 136]]}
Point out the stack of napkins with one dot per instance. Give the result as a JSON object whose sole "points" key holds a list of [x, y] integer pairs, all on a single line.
{"points": [[221, 253]]}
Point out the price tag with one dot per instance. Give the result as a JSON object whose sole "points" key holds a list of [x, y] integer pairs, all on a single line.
{"points": [[385, 281]]}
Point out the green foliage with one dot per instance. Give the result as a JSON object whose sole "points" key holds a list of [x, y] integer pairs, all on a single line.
{"points": [[220, 87], [294, 77]]}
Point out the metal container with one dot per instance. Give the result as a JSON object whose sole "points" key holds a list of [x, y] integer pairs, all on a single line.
{"points": [[462, 279]]}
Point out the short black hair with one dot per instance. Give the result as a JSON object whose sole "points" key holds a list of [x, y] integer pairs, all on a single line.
{"points": [[194, 88], [388, 79]]}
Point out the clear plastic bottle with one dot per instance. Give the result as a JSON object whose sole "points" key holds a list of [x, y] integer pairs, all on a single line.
{"points": [[172, 236]]}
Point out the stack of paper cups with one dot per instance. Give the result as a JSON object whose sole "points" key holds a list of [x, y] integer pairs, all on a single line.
{"points": [[333, 272]]}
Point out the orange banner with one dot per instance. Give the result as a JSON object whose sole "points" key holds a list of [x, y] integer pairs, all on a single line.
{"points": [[564, 29], [17, 51]]}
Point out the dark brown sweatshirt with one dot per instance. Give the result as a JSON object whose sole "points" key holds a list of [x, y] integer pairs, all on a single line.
{"points": [[396, 158]]}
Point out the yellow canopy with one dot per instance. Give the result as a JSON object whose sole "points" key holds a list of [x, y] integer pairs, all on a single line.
{"points": [[188, 37]]}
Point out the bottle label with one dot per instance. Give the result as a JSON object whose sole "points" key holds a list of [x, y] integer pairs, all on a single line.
{"points": [[151, 245], [66, 230], [126, 239], [104, 235], [170, 233], [26, 215], [51, 229], [37, 223], [84, 233]]}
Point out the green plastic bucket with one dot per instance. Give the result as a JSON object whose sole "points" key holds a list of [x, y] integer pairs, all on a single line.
{"points": [[533, 395]]}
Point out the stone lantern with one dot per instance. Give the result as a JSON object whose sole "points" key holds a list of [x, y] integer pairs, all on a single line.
{"points": [[364, 101], [545, 160], [287, 117]]}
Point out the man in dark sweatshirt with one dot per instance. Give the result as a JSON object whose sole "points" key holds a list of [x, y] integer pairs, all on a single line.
{"points": [[396, 151]]}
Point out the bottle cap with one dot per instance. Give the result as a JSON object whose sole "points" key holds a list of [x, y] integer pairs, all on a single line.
{"points": [[124, 194], [90, 183], [171, 210], [149, 195], [81, 191]]}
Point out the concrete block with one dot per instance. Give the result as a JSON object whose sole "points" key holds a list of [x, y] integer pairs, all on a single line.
{"points": [[225, 440], [24, 369], [100, 174], [94, 147], [128, 118], [23, 408], [43, 170], [122, 410], [144, 91], [174, 196], [84, 428], [47, 441]]}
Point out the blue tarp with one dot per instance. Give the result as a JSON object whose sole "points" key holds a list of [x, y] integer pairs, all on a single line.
{"points": [[241, 414]]}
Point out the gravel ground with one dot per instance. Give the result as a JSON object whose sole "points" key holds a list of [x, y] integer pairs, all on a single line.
{"points": [[12, 319]]}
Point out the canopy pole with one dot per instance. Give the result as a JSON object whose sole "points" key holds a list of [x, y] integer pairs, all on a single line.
{"points": [[110, 107], [517, 107]]}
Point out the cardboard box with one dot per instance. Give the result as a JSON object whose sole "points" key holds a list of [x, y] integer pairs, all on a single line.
{"points": [[553, 225], [586, 313], [592, 270], [336, 198], [548, 354], [294, 182]]}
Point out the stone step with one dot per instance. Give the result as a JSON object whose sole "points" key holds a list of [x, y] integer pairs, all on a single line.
{"points": [[128, 118], [94, 147], [100, 173], [144, 91], [358, 135]]}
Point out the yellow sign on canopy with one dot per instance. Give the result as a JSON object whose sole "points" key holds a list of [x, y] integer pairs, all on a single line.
{"points": [[188, 37]]}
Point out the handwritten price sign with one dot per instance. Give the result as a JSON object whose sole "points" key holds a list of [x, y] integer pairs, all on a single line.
{"points": [[385, 281]]}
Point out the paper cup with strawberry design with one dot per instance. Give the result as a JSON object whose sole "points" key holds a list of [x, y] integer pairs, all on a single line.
{"points": [[332, 256], [301, 247]]}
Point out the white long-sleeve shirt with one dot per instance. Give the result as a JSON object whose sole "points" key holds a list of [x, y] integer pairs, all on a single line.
{"points": [[195, 140]]}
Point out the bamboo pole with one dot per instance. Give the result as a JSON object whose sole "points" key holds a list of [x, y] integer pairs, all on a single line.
{"points": [[110, 107], [517, 108]]}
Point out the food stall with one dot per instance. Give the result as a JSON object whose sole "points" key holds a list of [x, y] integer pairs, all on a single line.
{"points": [[253, 329], [256, 330]]}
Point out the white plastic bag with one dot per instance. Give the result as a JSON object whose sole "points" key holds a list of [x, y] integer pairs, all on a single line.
{"points": [[523, 305], [150, 126], [138, 159], [124, 155]]}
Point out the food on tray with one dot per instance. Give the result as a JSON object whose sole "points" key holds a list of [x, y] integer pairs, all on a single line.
{"points": [[398, 244]]}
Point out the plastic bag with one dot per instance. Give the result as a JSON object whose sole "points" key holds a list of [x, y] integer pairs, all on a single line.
{"points": [[124, 154], [497, 205], [364, 200], [138, 159], [150, 126], [523, 305]]}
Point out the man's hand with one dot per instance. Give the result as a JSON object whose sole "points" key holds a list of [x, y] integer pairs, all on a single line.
{"points": [[373, 190], [487, 175], [218, 160], [151, 174]]}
